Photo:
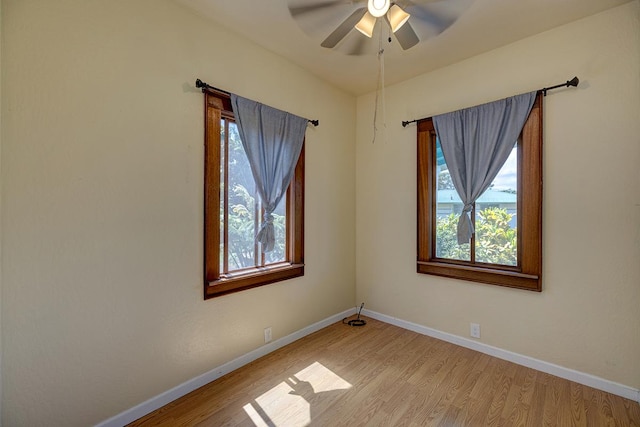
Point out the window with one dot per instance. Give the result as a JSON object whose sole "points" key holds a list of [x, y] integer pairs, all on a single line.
{"points": [[506, 248], [232, 260]]}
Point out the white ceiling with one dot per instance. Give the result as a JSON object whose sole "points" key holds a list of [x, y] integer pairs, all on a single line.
{"points": [[482, 26]]}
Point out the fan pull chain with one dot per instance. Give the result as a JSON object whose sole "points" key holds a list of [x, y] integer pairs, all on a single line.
{"points": [[380, 91]]}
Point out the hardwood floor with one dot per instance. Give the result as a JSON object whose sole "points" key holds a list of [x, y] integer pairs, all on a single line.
{"points": [[382, 375]]}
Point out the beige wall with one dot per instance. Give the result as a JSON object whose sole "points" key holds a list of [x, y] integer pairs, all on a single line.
{"points": [[587, 316], [102, 170]]}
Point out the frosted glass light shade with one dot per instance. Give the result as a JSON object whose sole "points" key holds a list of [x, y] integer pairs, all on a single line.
{"points": [[397, 17], [366, 24], [378, 7]]}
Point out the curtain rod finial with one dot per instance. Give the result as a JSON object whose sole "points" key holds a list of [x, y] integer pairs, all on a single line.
{"points": [[202, 85], [573, 82]]}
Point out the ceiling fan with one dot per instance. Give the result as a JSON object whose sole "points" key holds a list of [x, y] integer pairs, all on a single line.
{"points": [[436, 15]]}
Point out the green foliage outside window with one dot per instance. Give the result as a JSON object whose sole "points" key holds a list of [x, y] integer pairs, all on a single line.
{"points": [[496, 241], [242, 231]]}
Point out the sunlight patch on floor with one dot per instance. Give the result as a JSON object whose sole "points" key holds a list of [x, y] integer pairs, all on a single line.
{"points": [[290, 403], [321, 378]]}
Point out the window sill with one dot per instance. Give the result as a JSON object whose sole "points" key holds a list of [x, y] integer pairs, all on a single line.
{"points": [[508, 278], [253, 279]]}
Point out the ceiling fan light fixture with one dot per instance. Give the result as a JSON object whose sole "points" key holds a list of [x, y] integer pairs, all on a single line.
{"points": [[378, 8], [366, 24], [397, 17]]}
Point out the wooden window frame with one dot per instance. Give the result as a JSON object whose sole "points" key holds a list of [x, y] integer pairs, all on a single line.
{"points": [[217, 107], [527, 274]]}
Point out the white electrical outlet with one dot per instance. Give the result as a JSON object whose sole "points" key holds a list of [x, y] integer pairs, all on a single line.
{"points": [[474, 330], [267, 334]]}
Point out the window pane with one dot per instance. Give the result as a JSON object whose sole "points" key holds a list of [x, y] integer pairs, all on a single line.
{"points": [[245, 212], [448, 209], [242, 205], [280, 224], [496, 217], [222, 187]]}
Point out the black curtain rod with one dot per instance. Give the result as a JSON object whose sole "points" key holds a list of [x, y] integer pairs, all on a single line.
{"points": [[204, 86], [573, 82]]}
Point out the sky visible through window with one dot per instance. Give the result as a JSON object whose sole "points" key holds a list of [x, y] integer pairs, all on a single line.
{"points": [[507, 178]]}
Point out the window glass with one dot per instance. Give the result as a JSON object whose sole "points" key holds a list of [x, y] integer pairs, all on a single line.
{"points": [[243, 207], [496, 217], [448, 209], [280, 223], [223, 161], [244, 210]]}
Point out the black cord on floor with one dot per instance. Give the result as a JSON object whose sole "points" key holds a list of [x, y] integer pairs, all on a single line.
{"points": [[357, 321]]}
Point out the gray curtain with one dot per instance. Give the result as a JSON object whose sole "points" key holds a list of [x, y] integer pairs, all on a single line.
{"points": [[476, 142], [272, 140]]}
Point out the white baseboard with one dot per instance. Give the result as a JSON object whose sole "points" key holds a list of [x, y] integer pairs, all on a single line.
{"points": [[540, 365], [168, 396]]}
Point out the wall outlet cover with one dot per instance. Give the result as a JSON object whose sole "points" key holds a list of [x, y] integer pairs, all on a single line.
{"points": [[474, 330]]}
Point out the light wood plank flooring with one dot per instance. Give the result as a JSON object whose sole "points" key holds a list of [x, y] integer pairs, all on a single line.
{"points": [[382, 375]]}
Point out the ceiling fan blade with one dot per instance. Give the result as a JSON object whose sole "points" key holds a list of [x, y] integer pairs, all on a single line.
{"points": [[300, 10], [406, 36], [343, 29]]}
